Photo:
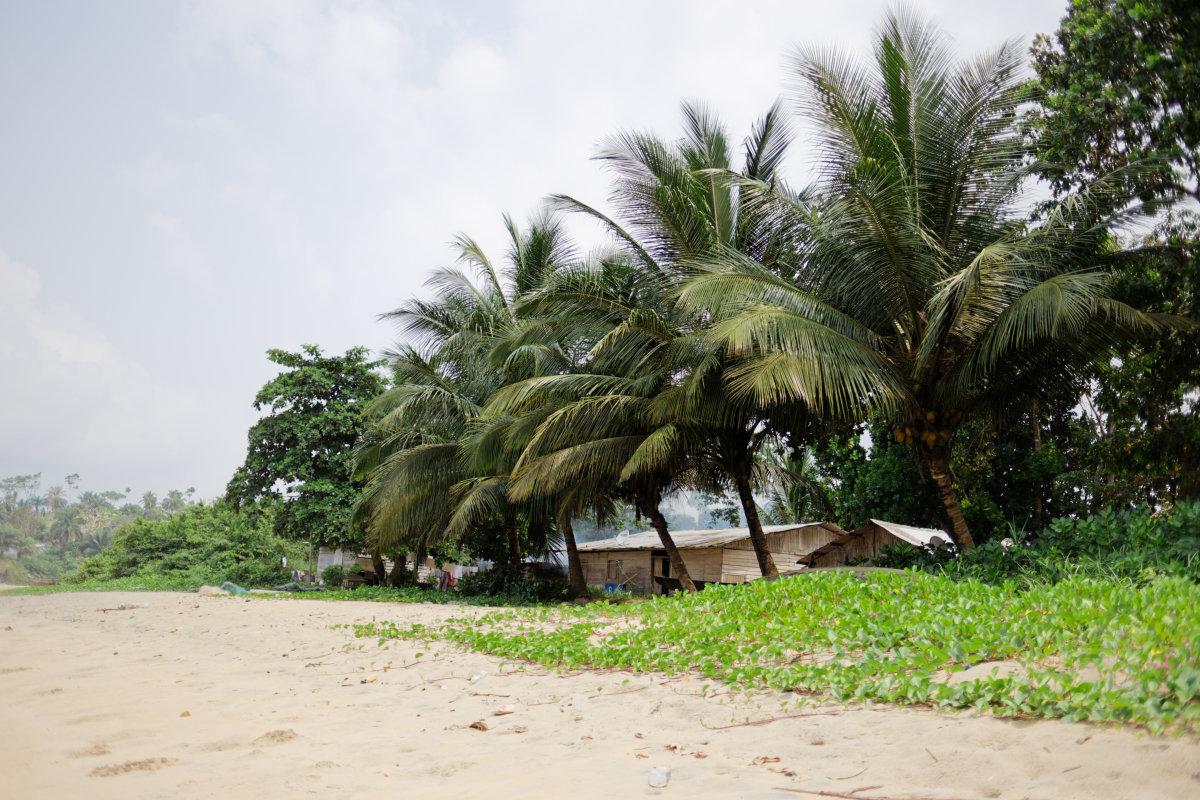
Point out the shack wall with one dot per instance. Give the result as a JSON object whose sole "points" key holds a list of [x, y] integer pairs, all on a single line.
{"points": [[864, 545], [634, 569], [738, 565], [798, 540]]}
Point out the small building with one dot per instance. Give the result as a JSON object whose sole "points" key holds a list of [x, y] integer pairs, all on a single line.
{"points": [[870, 539], [639, 564]]}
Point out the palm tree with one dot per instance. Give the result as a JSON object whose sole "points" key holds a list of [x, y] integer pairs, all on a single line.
{"points": [[682, 203], [56, 498], [430, 464], [915, 291], [594, 426]]}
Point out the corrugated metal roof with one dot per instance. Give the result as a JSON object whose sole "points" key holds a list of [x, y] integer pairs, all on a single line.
{"points": [[918, 537], [689, 540]]}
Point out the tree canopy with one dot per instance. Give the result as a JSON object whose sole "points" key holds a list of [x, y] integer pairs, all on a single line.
{"points": [[299, 453]]}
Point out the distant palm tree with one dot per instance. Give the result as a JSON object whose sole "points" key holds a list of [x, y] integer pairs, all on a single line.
{"points": [[56, 498], [431, 469], [915, 291]]}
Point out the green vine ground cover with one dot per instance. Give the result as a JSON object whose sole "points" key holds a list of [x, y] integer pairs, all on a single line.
{"points": [[1080, 649]]}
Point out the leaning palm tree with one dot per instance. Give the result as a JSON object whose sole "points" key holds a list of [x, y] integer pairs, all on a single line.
{"points": [[681, 202], [594, 423], [915, 291], [429, 473]]}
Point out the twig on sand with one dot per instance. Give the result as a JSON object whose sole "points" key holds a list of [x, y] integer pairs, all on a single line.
{"points": [[931, 755], [614, 694], [769, 720], [447, 678], [488, 694], [853, 796], [866, 788], [848, 777]]}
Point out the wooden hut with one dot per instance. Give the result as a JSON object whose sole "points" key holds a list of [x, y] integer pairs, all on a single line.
{"points": [[868, 540], [638, 563]]}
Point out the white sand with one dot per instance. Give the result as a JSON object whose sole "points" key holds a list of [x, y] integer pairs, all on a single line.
{"points": [[194, 697]]}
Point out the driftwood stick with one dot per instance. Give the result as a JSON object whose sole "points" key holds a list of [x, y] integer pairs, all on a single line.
{"points": [[614, 694], [769, 720]]}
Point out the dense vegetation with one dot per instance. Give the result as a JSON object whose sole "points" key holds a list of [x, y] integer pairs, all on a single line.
{"points": [[1136, 545], [906, 337], [1080, 649], [45, 532], [204, 544]]}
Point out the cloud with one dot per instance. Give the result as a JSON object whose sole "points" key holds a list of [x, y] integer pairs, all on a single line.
{"points": [[182, 254], [74, 403]]}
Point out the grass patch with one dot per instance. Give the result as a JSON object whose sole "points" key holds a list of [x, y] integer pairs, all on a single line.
{"points": [[1105, 651], [134, 583], [184, 583], [411, 594]]}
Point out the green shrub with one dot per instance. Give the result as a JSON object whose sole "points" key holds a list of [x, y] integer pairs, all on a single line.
{"points": [[1137, 544], [334, 576], [201, 544], [519, 586]]}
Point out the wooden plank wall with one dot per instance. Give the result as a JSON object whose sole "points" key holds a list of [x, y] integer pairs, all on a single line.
{"points": [[635, 564], [741, 565], [703, 564], [866, 546], [799, 541]]}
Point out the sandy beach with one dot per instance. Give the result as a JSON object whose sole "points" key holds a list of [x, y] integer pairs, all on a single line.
{"points": [[185, 696]]}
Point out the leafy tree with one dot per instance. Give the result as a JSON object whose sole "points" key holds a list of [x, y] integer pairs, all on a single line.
{"points": [[299, 453], [917, 295], [1119, 82], [874, 478]]}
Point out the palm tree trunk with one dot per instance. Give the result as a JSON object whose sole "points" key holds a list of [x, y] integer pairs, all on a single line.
{"points": [[766, 564], [939, 470], [418, 560], [659, 522], [1035, 419], [514, 541], [398, 570], [574, 565]]}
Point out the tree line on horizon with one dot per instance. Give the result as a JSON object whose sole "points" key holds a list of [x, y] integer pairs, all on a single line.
{"points": [[46, 531]]}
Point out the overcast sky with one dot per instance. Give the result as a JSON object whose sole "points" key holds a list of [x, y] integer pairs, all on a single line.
{"points": [[183, 186]]}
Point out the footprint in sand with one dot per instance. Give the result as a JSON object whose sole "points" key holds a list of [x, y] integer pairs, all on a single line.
{"points": [[275, 737], [142, 765], [446, 770], [91, 752]]}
